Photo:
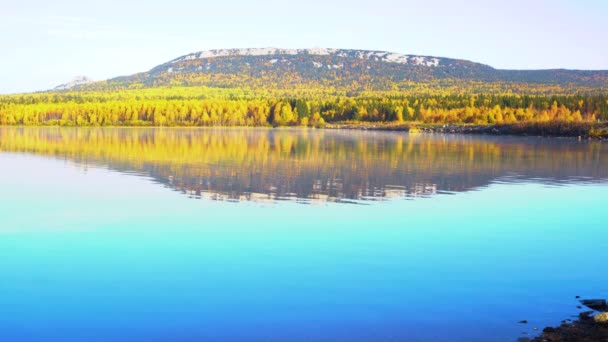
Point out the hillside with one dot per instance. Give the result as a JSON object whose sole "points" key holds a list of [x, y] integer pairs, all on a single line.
{"points": [[353, 69]]}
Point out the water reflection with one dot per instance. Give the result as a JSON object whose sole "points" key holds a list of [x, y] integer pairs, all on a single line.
{"points": [[315, 165]]}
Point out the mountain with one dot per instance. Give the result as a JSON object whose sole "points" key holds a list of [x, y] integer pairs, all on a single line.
{"points": [[76, 81], [316, 87], [355, 69]]}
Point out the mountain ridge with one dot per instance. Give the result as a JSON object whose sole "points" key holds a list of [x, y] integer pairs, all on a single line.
{"points": [[377, 55], [353, 68]]}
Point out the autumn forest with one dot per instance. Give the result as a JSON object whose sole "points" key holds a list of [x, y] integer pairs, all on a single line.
{"points": [[203, 106]]}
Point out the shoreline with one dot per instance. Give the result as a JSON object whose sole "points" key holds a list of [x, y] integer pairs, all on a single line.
{"points": [[591, 325], [580, 130], [575, 130]]}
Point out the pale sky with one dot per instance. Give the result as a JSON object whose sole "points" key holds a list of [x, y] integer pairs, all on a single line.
{"points": [[46, 43]]}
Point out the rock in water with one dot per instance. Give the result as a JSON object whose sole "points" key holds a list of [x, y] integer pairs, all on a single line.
{"points": [[601, 318], [595, 304]]}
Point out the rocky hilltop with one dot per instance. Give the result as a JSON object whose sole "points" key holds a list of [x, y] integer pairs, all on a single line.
{"points": [[354, 69]]}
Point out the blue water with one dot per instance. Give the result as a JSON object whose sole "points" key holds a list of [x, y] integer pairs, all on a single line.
{"points": [[89, 253]]}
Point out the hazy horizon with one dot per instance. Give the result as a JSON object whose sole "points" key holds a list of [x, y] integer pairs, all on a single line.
{"points": [[48, 44]]}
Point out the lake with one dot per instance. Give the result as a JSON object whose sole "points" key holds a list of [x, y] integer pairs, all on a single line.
{"points": [[142, 234]]}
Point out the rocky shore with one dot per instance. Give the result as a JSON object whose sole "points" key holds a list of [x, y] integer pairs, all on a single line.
{"points": [[586, 130], [591, 326]]}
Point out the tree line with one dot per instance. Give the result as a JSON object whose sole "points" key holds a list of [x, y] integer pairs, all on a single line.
{"points": [[242, 107]]}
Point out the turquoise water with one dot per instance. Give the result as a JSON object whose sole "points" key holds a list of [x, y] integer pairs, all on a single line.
{"points": [[102, 247]]}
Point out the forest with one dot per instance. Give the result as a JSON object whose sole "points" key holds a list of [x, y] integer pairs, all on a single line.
{"points": [[315, 106]]}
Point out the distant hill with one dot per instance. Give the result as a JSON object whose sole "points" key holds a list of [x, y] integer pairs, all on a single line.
{"points": [[76, 81], [356, 69]]}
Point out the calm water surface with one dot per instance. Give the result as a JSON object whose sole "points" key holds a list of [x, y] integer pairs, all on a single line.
{"points": [[300, 235]]}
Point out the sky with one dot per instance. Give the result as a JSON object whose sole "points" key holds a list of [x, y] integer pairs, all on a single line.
{"points": [[47, 43]]}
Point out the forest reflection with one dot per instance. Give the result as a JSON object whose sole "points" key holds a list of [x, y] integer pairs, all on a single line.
{"points": [[314, 165]]}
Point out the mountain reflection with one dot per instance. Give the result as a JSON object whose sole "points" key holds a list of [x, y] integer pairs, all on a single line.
{"points": [[314, 165]]}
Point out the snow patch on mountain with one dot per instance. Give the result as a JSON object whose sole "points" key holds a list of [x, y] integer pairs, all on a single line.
{"points": [[379, 56]]}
